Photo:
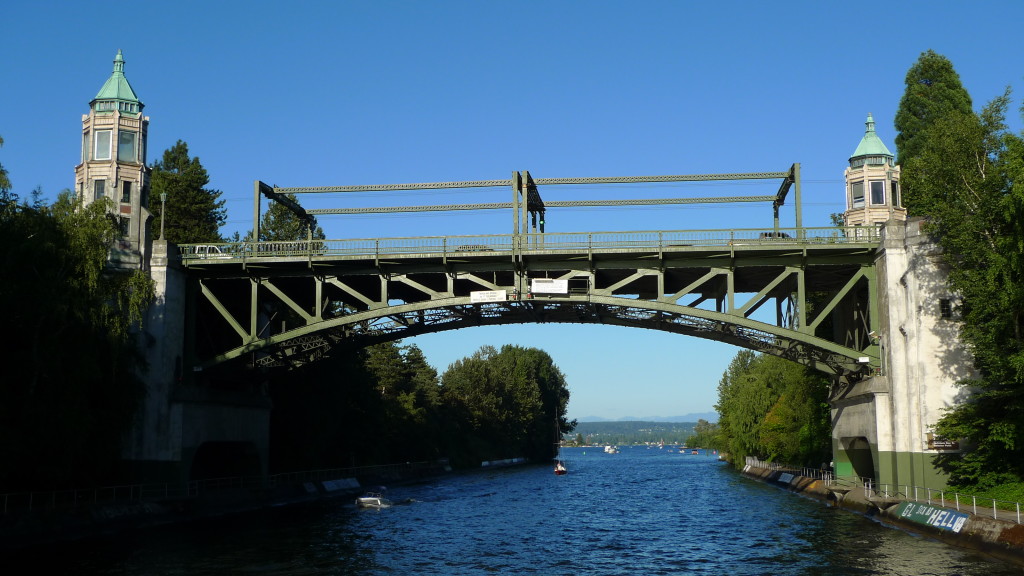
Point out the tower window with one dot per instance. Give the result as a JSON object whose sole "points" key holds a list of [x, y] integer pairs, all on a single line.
{"points": [[123, 225], [99, 189], [894, 193], [857, 194], [877, 192], [102, 148], [126, 146], [945, 308], [126, 192]]}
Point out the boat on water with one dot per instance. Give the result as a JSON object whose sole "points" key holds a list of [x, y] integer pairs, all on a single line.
{"points": [[611, 449], [560, 469], [372, 500]]}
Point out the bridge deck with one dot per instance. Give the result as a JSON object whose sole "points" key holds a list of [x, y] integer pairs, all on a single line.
{"points": [[711, 242]]}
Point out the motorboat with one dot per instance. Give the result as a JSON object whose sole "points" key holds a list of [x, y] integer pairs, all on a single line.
{"points": [[372, 500], [611, 450]]}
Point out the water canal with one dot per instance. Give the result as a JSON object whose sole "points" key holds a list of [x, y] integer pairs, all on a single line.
{"points": [[640, 512]]}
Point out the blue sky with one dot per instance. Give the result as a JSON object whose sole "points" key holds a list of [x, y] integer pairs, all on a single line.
{"points": [[339, 93]]}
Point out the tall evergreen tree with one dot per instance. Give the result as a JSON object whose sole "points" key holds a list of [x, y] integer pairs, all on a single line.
{"points": [[933, 89], [5, 182], [195, 213], [281, 224]]}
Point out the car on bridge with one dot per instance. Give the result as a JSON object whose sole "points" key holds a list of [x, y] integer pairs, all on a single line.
{"points": [[208, 251]]}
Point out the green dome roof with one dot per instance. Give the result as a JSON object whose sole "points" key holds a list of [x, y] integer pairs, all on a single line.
{"points": [[871, 144], [116, 87]]}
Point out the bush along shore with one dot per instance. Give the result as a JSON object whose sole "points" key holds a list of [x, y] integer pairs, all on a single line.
{"points": [[1002, 538]]}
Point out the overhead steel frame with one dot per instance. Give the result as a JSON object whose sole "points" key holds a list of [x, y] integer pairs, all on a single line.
{"points": [[289, 303]]}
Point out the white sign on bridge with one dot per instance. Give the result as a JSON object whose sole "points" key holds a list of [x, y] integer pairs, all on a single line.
{"points": [[549, 286], [479, 296]]}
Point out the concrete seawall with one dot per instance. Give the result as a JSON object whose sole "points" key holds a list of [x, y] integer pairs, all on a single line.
{"points": [[1002, 539]]}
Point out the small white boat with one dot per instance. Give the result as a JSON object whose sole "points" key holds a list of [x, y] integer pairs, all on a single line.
{"points": [[373, 500], [611, 449]]}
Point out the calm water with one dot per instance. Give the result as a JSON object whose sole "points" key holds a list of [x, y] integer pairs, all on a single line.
{"points": [[640, 512]]}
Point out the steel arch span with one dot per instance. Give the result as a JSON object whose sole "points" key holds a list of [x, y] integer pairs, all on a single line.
{"points": [[298, 346]]}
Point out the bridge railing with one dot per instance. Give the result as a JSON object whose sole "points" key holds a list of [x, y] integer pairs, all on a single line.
{"points": [[453, 246]]}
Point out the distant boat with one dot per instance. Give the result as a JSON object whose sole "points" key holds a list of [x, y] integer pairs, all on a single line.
{"points": [[560, 469], [611, 449]]}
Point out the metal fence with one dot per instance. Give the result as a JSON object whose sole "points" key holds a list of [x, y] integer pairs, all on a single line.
{"points": [[988, 507]]}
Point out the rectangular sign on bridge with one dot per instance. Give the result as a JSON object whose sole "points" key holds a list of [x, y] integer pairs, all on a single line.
{"points": [[549, 286], [478, 296]]}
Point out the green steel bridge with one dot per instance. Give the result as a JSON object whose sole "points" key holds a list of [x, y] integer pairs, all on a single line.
{"points": [[806, 294]]}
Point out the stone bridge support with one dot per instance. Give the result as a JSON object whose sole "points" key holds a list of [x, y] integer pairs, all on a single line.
{"points": [[883, 426], [185, 431]]}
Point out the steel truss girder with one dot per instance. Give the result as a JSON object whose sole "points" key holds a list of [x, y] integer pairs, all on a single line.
{"points": [[366, 310]]}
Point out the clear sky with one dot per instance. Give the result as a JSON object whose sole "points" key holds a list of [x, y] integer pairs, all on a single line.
{"points": [[341, 92]]}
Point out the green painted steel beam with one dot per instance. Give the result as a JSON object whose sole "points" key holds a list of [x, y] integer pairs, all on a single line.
{"points": [[677, 178], [225, 314], [537, 181], [394, 187]]}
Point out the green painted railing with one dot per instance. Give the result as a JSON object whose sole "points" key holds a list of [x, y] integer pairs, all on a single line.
{"points": [[453, 246]]}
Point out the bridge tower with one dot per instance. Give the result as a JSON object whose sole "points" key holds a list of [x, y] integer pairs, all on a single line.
{"points": [[113, 164], [187, 428], [884, 425]]}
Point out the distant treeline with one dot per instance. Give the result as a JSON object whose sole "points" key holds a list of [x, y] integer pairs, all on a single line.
{"points": [[632, 432]]}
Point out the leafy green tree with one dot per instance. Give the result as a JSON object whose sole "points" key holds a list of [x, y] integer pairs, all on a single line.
{"points": [[195, 213], [68, 400], [705, 435], [774, 409], [933, 90], [969, 176], [505, 404]]}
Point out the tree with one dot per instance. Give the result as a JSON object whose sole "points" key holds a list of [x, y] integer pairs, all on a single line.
{"points": [[68, 400], [705, 435], [194, 212], [773, 408], [933, 90], [969, 177], [282, 225], [5, 182], [505, 404]]}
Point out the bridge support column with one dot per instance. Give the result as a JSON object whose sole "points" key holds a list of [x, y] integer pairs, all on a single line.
{"points": [[177, 418], [885, 424]]}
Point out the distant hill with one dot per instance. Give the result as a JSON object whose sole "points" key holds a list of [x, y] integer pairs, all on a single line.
{"points": [[633, 432], [692, 417]]}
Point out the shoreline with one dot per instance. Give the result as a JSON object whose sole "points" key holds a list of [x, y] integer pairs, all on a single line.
{"points": [[44, 527], [998, 538]]}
